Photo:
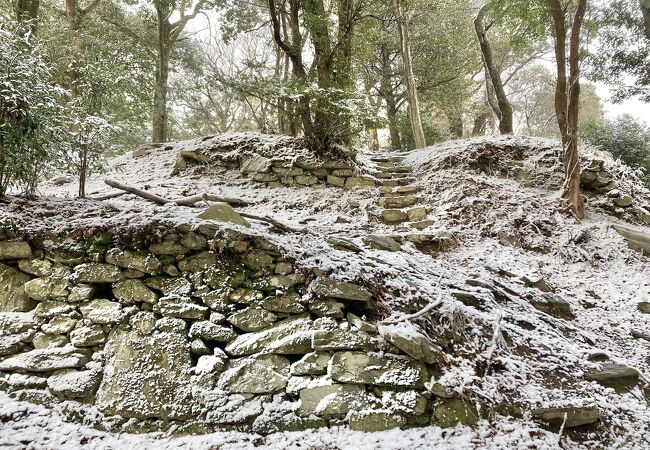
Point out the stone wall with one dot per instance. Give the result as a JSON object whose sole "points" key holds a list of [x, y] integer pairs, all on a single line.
{"points": [[277, 172], [203, 330]]}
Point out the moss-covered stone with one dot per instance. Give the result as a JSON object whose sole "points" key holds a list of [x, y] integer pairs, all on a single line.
{"points": [[378, 369], [619, 377], [255, 375], [40, 267], [141, 261], [180, 307], [170, 285], [327, 287], [97, 273], [134, 291], [252, 319], [198, 262], [12, 290], [47, 288], [15, 250], [451, 412], [290, 336], [210, 331], [46, 360], [223, 212], [570, 416], [333, 400], [375, 420], [311, 364], [102, 311], [146, 376]]}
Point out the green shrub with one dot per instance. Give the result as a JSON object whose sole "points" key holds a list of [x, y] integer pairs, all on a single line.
{"points": [[33, 130], [432, 133], [625, 138]]}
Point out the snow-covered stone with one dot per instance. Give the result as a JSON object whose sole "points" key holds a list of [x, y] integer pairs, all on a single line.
{"points": [[15, 250], [146, 376], [72, 383], [102, 311], [46, 359], [376, 369]]}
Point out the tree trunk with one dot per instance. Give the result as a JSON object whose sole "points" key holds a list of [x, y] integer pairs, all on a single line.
{"points": [[73, 16], [409, 77], [567, 99], [393, 126], [27, 13], [83, 171], [159, 113], [645, 10], [373, 144], [317, 25], [387, 92], [480, 123], [456, 124], [504, 107], [342, 67]]}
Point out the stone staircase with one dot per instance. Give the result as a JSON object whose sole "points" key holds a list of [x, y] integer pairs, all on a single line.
{"points": [[401, 205]]}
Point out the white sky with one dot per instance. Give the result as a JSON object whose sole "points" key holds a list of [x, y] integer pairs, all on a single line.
{"points": [[638, 109], [635, 107]]}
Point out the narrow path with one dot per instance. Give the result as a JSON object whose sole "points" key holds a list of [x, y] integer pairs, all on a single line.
{"points": [[402, 206]]}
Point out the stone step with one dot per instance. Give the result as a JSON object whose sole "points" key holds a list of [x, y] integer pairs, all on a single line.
{"points": [[407, 190], [395, 182], [397, 169], [387, 159], [405, 181], [394, 166], [394, 216], [417, 214], [392, 191], [390, 175], [398, 202], [423, 224]]}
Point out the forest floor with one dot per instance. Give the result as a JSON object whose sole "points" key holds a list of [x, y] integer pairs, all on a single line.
{"points": [[498, 198]]}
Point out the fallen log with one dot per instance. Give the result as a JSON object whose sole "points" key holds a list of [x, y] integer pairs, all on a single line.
{"points": [[189, 201], [185, 201]]}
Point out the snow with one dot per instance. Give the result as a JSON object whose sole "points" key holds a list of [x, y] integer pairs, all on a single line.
{"points": [[535, 359], [26, 425]]}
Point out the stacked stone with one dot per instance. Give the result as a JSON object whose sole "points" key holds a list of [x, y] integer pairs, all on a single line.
{"points": [[304, 173], [205, 333], [300, 172]]}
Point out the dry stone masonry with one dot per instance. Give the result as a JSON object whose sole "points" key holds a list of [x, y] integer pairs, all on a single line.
{"points": [[206, 329]]}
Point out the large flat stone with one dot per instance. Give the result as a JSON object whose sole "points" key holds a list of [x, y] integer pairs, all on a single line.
{"points": [[46, 360], [617, 376], [102, 311], [377, 369], [223, 212], [42, 289], [15, 250], [17, 322], [411, 341], [256, 375], [575, 415], [134, 291], [12, 290], [128, 259], [327, 287], [146, 376], [333, 400], [290, 336], [97, 273], [72, 383], [635, 239]]}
